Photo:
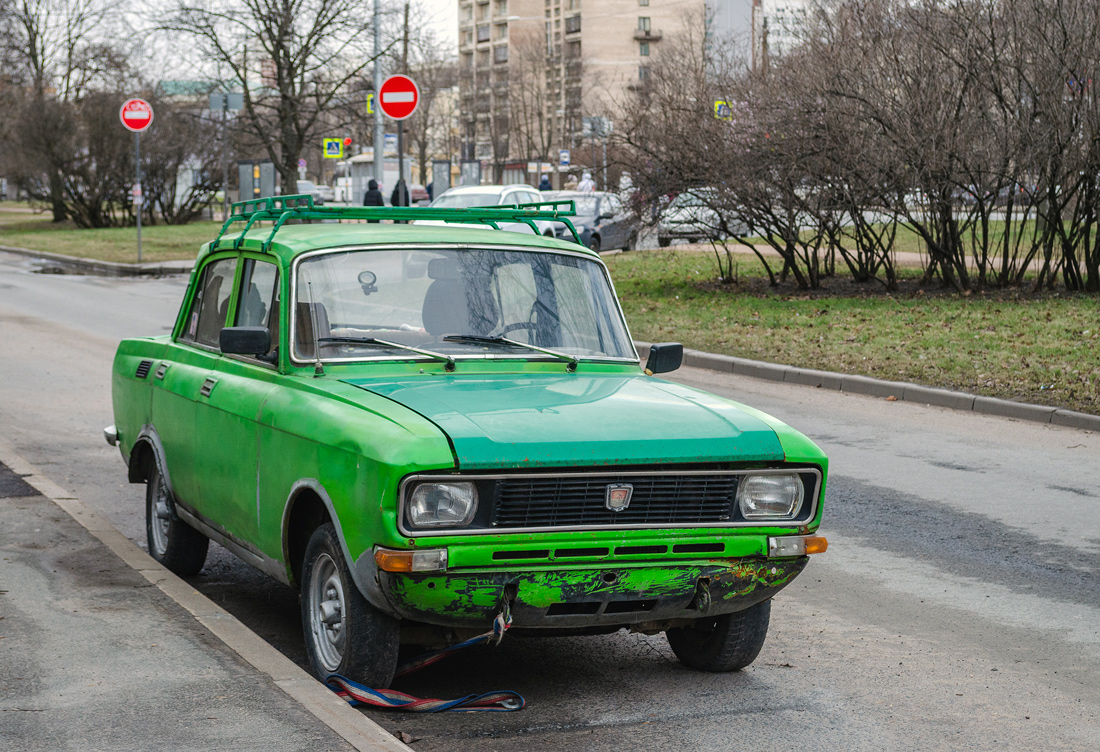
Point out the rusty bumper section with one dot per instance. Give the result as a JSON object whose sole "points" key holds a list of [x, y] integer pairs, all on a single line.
{"points": [[572, 597]]}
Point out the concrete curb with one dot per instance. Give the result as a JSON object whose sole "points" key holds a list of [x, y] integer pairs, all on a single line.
{"points": [[358, 730], [106, 268], [901, 391]]}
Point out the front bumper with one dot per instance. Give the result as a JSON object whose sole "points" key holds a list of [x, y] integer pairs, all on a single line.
{"points": [[586, 596]]}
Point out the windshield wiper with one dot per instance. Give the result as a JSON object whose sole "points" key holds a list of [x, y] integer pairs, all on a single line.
{"points": [[571, 359], [372, 341]]}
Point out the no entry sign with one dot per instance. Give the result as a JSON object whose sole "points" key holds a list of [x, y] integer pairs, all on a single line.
{"points": [[136, 115], [398, 97]]}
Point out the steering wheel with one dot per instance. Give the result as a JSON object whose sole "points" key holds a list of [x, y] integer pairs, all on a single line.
{"points": [[506, 328]]}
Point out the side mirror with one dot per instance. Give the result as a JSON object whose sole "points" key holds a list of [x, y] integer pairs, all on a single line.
{"points": [[664, 357], [245, 340]]}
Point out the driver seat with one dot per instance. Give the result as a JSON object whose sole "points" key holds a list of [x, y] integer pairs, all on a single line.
{"points": [[447, 309]]}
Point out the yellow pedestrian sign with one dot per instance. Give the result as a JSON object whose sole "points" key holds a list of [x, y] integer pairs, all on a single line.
{"points": [[370, 102], [333, 148]]}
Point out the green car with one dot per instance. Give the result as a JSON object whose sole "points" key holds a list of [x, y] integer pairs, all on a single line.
{"points": [[424, 427]]}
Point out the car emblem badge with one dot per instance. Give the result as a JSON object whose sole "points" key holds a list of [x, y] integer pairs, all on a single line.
{"points": [[618, 496]]}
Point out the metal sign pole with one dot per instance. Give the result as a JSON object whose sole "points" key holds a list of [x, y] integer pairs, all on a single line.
{"points": [[225, 163], [401, 162], [379, 157], [139, 199]]}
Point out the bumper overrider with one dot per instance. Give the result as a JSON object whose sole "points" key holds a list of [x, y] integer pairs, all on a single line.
{"points": [[579, 596]]}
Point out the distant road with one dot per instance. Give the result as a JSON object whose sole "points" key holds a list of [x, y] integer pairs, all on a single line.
{"points": [[958, 606]]}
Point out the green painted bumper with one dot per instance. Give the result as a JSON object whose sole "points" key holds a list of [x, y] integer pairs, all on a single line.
{"points": [[586, 596]]}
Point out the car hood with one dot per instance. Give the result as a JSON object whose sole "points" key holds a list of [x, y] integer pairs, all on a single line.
{"points": [[558, 420]]}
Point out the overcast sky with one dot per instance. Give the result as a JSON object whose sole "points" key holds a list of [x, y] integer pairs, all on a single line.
{"points": [[444, 14]]}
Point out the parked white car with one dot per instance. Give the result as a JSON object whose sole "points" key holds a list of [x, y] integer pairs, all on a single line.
{"points": [[469, 196], [690, 217], [320, 193]]}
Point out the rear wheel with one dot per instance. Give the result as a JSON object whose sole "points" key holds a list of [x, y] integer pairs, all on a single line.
{"points": [[175, 544], [728, 642], [344, 634], [594, 244], [631, 242], [664, 242]]}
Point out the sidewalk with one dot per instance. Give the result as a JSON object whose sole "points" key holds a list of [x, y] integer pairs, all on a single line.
{"points": [[101, 648]]}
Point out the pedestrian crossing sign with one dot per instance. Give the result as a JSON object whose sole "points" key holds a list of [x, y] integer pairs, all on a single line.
{"points": [[333, 148]]}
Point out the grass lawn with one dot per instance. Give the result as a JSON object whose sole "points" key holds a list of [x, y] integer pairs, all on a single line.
{"points": [[158, 243], [1043, 349]]}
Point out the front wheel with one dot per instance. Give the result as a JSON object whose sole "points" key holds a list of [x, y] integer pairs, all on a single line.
{"points": [[344, 634], [175, 544], [728, 642], [664, 242]]}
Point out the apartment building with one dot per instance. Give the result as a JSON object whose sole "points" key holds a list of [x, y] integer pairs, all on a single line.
{"points": [[531, 72]]}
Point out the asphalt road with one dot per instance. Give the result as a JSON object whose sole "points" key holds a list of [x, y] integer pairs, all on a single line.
{"points": [[957, 607]]}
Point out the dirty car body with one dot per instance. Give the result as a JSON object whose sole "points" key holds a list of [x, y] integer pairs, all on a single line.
{"points": [[423, 428]]}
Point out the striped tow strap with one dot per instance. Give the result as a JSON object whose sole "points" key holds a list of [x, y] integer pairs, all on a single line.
{"points": [[503, 701]]}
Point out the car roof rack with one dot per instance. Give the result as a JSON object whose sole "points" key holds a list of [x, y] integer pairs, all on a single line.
{"points": [[281, 209]]}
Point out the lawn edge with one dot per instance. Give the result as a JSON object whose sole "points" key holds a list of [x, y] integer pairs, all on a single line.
{"points": [[106, 268], [893, 390]]}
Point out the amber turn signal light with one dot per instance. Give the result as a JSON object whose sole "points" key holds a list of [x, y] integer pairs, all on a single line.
{"points": [[796, 545], [816, 544], [430, 560]]}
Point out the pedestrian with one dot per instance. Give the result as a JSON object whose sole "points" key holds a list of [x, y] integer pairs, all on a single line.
{"points": [[431, 191], [544, 184], [587, 184], [400, 197], [373, 197], [571, 183]]}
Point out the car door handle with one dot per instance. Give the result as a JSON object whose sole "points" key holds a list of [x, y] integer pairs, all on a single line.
{"points": [[207, 387]]}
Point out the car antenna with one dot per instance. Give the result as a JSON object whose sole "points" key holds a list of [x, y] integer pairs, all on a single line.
{"points": [[318, 369]]}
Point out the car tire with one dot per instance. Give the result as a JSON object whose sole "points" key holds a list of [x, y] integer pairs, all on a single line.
{"points": [[664, 242], [594, 244], [727, 642], [344, 634], [631, 242], [172, 542]]}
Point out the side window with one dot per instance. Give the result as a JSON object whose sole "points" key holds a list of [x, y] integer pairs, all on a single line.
{"points": [[211, 303], [258, 303]]}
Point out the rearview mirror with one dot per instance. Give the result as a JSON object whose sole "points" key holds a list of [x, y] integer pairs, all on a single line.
{"points": [[245, 340], [664, 357]]}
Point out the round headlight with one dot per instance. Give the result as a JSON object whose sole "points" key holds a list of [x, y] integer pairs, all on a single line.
{"points": [[770, 496], [442, 504]]}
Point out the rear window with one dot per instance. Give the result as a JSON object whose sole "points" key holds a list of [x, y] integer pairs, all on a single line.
{"points": [[466, 200]]}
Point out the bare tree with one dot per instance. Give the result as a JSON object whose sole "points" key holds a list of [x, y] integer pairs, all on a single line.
{"points": [[55, 51], [291, 58]]}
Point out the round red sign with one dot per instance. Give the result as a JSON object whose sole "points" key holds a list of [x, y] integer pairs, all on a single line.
{"points": [[398, 97], [136, 114]]}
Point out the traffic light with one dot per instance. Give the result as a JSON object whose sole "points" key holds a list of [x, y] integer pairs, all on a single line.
{"points": [[347, 142]]}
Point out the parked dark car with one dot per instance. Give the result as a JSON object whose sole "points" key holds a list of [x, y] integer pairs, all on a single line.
{"points": [[601, 220]]}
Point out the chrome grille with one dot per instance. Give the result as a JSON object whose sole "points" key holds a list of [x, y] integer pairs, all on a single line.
{"points": [[657, 499]]}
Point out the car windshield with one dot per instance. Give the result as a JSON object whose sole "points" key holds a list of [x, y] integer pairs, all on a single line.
{"points": [[690, 199], [587, 206], [466, 200], [361, 304]]}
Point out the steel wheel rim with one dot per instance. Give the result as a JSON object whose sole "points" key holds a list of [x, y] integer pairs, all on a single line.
{"points": [[326, 612], [161, 517]]}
